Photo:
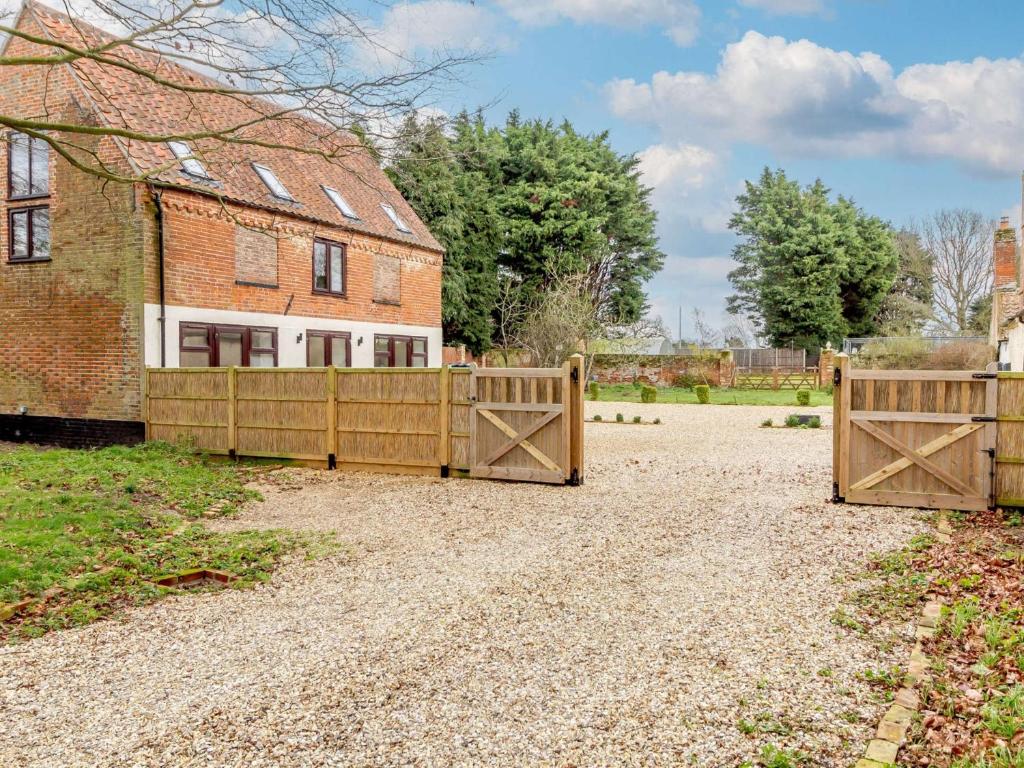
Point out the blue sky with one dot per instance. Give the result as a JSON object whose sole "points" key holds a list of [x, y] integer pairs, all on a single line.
{"points": [[908, 107]]}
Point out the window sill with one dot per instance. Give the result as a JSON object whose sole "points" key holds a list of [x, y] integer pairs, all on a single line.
{"points": [[252, 284], [27, 198], [332, 294], [30, 261], [387, 303]]}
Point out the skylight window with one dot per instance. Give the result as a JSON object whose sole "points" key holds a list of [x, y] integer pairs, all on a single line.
{"points": [[189, 162], [395, 218], [340, 202], [277, 189]]}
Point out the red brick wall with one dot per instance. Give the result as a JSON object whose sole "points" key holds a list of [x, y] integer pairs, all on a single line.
{"points": [[659, 370], [70, 328], [200, 267]]}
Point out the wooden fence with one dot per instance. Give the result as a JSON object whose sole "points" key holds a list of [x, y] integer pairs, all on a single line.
{"points": [[783, 359], [407, 420]]}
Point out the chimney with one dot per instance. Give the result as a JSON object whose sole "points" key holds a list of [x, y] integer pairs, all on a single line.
{"points": [[1005, 255]]}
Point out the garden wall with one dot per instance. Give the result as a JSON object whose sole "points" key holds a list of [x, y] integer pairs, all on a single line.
{"points": [[662, 370]]}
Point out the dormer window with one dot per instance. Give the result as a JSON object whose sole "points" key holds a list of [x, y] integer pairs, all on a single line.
{"points": [[277, 189], [28, 167], [340, 203], [395, 218], [189, 162]]}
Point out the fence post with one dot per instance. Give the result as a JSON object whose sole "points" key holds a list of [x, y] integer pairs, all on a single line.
{"points": [[332, 418], [840, 428], [575, 416], [726, 368], [444, 449], [775, 374], [145, 401], [826, 361], [232, 415]]}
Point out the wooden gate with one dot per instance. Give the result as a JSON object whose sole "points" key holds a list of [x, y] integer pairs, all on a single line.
{"points": [[914, 438], [522, 422]]}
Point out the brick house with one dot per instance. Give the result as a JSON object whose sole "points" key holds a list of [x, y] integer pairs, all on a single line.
{"points": [[1006, 333], [232, 254]]}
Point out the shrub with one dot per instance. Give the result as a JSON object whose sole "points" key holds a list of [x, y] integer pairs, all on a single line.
{"points": [[637, 383], [648, 394], [657, 421], [620, 418], [597, 417], [918, 353], [803, 397], [829, 389], [595, 390], [893, 353], [960, 356], [685, 380], [792, 421], [766, 423], [814, 422], [703, 393]]}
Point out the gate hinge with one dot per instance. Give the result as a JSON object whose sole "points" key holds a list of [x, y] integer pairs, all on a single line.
{"points": [[837, 376], [985, 375], [836, 498], [574, 374], [983, 418]]}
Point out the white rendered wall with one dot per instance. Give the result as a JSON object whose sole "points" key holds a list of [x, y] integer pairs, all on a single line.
{"points": [[291, 353]]}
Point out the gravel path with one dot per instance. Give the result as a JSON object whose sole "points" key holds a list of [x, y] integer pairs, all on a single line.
{"points": [[633, 621]]}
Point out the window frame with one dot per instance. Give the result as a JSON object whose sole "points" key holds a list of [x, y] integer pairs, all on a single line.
{"points": [[286, 197], [397, 220], [189, 157], [10, 169], [328, 336], [328, 244], [213, 350], [341, 203], [31, 258], [409, 356]]}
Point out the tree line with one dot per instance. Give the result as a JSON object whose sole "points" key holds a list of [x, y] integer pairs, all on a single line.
{"points": [[812, 269]]}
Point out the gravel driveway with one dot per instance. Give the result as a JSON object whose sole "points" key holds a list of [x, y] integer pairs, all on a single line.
{"points": [[634, 621]]}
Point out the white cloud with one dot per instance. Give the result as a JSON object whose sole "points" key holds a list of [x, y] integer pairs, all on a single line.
{"points": [[799, 97], [679, 167], [687, 181], [786, 7], [416, 30], [679, 18]]}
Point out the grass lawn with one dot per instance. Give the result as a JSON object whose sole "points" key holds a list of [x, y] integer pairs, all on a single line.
{"points": [[627, 393], [83, 533]]}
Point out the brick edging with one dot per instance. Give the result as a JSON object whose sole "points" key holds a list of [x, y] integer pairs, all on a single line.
{"points": [[881, 751]]}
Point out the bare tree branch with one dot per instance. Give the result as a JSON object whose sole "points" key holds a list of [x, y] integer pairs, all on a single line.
{"points": [[959, 243], [309, 76]]}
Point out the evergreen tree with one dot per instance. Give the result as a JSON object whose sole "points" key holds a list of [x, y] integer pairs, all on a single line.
{"points": [[447, 183], [809, 270], [537, 201], [908, 307]]}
